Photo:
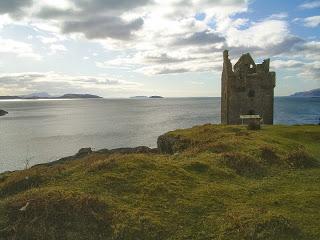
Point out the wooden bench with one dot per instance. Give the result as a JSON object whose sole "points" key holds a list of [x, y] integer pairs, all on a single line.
{"points": [[252, 120]]}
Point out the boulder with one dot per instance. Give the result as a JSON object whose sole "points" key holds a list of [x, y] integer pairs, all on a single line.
{"points": [[83, 152]]}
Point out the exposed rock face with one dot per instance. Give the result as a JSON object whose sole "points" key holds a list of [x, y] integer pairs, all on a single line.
{"points": [[3, 112], [247, 89], [169, 145]]}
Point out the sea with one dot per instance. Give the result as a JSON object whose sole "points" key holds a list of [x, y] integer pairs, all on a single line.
{"points": [[40, 131]]}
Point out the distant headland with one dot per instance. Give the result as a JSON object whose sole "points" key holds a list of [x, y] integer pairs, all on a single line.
{"points": [[45, 95], [311, 93]]}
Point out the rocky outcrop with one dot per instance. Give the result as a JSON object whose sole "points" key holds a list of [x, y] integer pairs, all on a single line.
{"points": [[87, 151], [3, 112], [168, 144], [141, 149]]}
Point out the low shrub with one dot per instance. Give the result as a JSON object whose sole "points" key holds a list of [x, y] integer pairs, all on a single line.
{"points": [[197, 167], [269, 155], [20, 183], [243, 164], [277, 227], [251, 226], [219, 147], [300, 158]]}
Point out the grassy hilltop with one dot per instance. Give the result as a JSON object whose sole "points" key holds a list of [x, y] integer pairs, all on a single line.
{"points": [[208, 182]]}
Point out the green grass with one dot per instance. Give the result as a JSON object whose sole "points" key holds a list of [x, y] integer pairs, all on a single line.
{"points": [[221, 182]]}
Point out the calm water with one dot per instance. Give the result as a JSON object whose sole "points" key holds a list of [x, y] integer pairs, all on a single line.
{"points": [[43, 131]]}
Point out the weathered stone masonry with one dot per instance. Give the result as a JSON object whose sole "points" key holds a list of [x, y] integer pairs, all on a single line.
{"points": [[247, 89]]}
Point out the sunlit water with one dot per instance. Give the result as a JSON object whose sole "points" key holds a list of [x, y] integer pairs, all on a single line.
{"points": [[43, 131]]}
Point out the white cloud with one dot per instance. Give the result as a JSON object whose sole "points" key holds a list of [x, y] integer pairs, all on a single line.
{"points": [[55, 48], [310, 5], [312, 22], [20, 49], [262, 34], [280, 64], [47, 40]]}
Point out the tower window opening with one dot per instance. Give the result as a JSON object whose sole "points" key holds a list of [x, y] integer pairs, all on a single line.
{"points": [[251, 93]]}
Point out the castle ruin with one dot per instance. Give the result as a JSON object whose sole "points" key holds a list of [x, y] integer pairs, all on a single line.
{"points": [[246, 89]]}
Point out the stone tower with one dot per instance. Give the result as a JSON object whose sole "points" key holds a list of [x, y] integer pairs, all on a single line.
{"points": [[246, 89]]}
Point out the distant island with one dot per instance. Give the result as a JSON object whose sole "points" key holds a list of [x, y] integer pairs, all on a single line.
{"points": [[139, 97], [3, 112], [311, 93], [156, 97], [72, 96], [145, 97], [44, 95]]}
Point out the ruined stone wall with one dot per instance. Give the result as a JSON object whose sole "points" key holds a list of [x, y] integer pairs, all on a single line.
{"points": [[246, 89]]}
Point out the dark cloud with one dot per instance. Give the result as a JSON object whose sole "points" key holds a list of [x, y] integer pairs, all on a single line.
{"points": [[200, 38], [14, 7], [110, 5], [103, 27], [92, 8], [287, 45], [97, 19], [55, 13]]}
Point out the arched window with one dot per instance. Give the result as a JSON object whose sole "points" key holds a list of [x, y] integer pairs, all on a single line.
{"points": [[251, 93]]}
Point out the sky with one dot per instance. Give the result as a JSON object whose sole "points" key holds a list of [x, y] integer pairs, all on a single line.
{"points": [[173, 48]]}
